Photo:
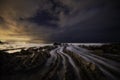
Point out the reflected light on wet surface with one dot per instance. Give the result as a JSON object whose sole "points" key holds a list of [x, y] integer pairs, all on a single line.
{"points": [[13, 51]]}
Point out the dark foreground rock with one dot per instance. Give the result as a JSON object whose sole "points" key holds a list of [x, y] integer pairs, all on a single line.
{"points": [[57, 63]]}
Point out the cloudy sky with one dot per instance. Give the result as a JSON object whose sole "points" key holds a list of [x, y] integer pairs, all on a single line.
{"points": [[47, 21]]}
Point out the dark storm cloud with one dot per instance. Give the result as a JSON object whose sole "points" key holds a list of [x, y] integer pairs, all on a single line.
{"points": [[44, 18], [104, 26], [62, 20], [50, 17]]}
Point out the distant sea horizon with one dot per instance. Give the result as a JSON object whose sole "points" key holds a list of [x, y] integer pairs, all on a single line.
{"points": [[20, 45]]}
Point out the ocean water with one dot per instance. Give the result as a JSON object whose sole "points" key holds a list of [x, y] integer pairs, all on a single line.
{"points": [[14, 47], [11, 48]]}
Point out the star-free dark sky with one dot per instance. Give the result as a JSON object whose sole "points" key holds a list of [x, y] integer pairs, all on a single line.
{"points": [[49, 21]]}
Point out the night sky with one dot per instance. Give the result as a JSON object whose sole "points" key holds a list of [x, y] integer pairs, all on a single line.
{"points": [[47, 21]]}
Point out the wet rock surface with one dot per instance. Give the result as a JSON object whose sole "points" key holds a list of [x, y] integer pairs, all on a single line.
{"points": [[59, 62]]}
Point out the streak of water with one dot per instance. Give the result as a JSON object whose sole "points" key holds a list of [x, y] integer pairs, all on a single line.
{"points": [[71, 62], [64, 67], [101, 60], [96, 60], [52, 58]]}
